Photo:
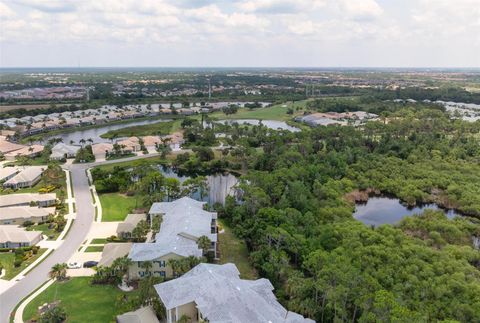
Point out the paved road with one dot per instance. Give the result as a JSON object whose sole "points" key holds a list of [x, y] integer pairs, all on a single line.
{"points": [[77, 234]]}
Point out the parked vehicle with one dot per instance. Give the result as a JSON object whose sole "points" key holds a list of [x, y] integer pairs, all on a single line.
{"points": [[90, 264], [74, 265]]}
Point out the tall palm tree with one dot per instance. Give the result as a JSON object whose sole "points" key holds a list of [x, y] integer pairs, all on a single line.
{"points": [[147, 265], [58, 271]]}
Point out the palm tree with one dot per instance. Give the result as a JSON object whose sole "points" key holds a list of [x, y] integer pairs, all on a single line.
{"points": [[147, 265], [204, 243], [58, 271], [82, 142]]}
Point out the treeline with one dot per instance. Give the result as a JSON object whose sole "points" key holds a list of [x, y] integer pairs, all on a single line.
{"points": [[298, 225]]}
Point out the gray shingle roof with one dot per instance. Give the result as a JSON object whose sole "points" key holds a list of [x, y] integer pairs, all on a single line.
{"points": [[184, 220], [221, 296]]}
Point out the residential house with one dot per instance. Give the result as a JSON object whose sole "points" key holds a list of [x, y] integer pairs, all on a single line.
{"points": [[142, 315], [26, 178], [112, 251], [8, 172], [61, 151], [8, 147], [125, 228], [12, 236], [183, 222], [175, 140], [131, 144], [26, 199], [28, 151], [21, 214], [100, 150], [151, 142], [215, 293]]}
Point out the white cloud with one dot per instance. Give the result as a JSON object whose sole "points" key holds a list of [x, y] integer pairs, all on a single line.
{"points": [[270, 31]]}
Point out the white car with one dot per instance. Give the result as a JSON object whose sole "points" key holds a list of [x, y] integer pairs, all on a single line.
{"points": [[74, 265]]}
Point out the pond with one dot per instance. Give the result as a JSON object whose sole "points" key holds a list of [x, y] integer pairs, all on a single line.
{"points": [[384, 210], [220, 185], [95, 133], [271, 124]]}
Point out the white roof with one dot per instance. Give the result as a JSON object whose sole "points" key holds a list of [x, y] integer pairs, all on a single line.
{"points": [[25, 198], [221, 296], [184, 221], [27, 175], [16, 234], [25, 212], [112, 251], [7, 172], [60, 149]]}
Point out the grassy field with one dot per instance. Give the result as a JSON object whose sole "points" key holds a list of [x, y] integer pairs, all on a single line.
{"points": [[7, 259], [158, 129], [115, 206], [235, 251], [82, 302]]}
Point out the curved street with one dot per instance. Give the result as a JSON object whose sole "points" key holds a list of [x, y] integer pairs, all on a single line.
{"points": [[77, 234]]}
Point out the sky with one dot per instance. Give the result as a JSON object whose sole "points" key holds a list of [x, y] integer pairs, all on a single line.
{"points": [[240, 33]]}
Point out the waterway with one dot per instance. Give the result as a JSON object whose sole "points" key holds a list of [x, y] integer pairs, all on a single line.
{"points": [[95, 133]]}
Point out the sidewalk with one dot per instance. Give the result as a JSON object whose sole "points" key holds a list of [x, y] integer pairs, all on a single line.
{"points": [[19, 312]]}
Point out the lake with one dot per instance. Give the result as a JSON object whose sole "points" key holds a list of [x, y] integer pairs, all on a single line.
{"points": [[220, 185], [271, 124], [95, 133], [384, 210]]}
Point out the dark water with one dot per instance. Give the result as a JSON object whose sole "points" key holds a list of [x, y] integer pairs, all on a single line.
{"points": [[94, 133], [384, 210], [220, 185]]}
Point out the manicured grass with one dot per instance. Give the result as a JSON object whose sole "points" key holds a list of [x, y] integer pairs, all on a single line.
{"points": [[115, 206], [82, 302], [159, 128], [234, 250], [99, 241], [7, 259], [52, 234], [94, 249]]}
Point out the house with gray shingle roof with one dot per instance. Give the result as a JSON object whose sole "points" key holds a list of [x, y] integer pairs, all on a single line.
{"points": [[215, 293], [183, 222]]}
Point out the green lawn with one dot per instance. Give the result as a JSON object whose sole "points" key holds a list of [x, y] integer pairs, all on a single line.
{"points": [[159, 128], [115, 206], [7, 259], [94, 249], [234, 250], [52, 234], [99, 241], [82, 302]]}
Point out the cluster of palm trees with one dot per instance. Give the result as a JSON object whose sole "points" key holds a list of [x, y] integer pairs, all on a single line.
{"points": [[59, 271]]}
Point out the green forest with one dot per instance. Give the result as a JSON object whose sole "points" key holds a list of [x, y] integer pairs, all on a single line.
{"points": [[297, 222]]}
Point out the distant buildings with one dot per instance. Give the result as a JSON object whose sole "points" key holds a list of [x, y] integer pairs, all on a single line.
{"points": [[12, 236], [215, 293], [342, 119]]}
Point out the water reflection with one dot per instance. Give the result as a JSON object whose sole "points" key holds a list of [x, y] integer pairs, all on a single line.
{"points": [[384, 210]]}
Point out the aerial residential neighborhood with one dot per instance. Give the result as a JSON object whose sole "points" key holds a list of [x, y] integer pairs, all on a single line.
{"points": [[246, 161]]}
